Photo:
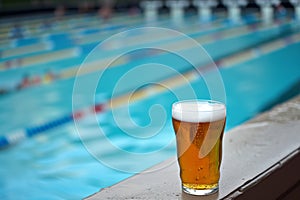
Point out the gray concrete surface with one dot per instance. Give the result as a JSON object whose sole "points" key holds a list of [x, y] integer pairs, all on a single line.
{"points": [[254, 154]]}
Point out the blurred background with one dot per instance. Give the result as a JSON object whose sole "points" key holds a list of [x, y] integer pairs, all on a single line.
{"points": [[65, 135], [73, 6]]}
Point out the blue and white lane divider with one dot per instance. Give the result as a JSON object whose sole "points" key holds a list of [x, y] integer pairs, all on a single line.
{"points": [[17, 136]]}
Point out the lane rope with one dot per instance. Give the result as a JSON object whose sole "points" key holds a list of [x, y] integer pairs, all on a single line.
{"points": [[19, 135]]}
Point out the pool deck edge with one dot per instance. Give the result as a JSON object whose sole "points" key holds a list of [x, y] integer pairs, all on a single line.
{"points": [[261, 158]]}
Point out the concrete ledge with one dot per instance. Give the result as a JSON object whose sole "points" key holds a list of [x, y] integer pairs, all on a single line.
{"points": [[261, 161]]}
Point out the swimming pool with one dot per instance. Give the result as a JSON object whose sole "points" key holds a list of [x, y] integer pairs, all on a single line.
{"points": [[56, 164]]}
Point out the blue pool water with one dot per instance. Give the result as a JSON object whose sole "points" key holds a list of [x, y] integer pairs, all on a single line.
{"points": [[57, 165]]}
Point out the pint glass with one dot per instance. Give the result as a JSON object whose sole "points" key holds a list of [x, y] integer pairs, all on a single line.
{"points": [[199, 127]]}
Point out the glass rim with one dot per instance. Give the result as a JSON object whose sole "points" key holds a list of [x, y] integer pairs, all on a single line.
{"points": [[200, 100]]}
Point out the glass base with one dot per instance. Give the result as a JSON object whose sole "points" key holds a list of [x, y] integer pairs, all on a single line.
{"points": [[200, 192]]}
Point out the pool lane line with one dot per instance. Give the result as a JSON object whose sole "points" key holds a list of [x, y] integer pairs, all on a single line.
{"points": [[94, 66], [35, 58], [41, 58], [56, 56], [217, 24], [22, 134], [259, 51], [60, 25], [133, 21], [96, 20], [213, 25], [35, 20], [193, 75], [172, 82], [91, 68], [84, 40], [176, 45], [28, 49], [59, 28], [73, 33], [41, 47]]}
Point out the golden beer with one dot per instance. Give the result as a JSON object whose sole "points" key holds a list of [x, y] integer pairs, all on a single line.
{"points": [[199, 128]]}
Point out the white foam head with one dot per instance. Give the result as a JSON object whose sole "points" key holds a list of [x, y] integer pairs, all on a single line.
{"points": [[198, 111]]}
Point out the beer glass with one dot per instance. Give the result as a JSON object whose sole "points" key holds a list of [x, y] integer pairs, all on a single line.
{"points": [[199, 127]]}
